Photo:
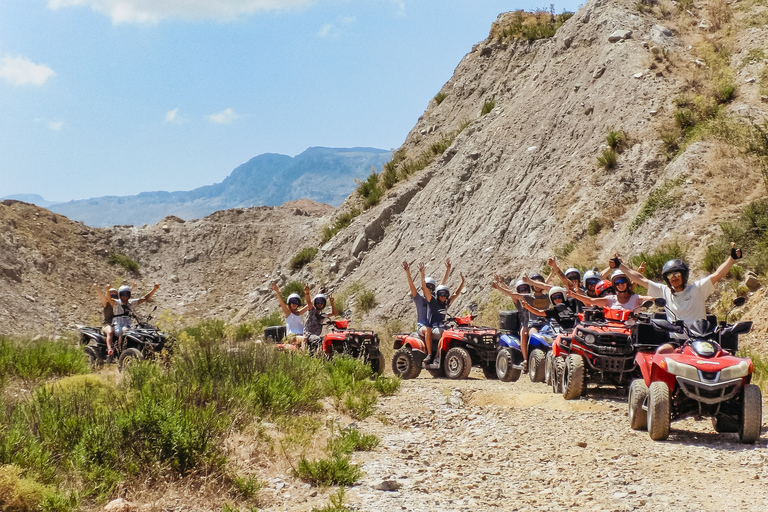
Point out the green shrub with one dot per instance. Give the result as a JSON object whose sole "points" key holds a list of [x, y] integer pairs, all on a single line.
{"points": [[19, 494], [247, 487], [685, 118], [341, 222], [565, 250], [750, 233], [39, 359], [660, 198], [124, 261], [330, 471], [351, 440], [594, 227], [655, 261], [304, 256], [725, 92], [336, 503], [616, 140], [387, 386], [365, 300], [439, 147], [439, 97], [369, 185], [539, 24], [607, 159], [760, 375], [488, 106]]}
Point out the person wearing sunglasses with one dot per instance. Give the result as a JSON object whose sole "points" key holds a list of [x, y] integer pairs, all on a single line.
{"points": [[557, 295], [624, 296], [438, 306], [571, 278], [123, 307], [294, 326], [109, 313], [687, 301], [313, 327], [422, 304], [533, 292]]}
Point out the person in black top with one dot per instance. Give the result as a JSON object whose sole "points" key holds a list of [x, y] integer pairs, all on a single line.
{"points": [[109, 313]]}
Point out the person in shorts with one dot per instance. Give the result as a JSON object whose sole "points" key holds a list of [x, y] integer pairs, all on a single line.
{"points": [[313, 327], [109, 313]]}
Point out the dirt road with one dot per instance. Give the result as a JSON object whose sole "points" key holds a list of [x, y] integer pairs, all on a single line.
{"points": [[487, 445]]}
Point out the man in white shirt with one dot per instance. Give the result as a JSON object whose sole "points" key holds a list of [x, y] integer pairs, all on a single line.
{"points": [[687, 301]]}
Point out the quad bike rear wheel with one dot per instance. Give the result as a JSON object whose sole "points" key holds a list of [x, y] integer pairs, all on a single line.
{"points": [[457, 363], [94, 361], [128, 357], [558, 369], [549, 363], [536, 368], [404, 365], [658, 411], [376, 361], [751, 414], [573, 377], [504, 369], [638, 417], [490, 372]]}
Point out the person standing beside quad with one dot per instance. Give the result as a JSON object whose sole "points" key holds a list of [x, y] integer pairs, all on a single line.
{"points": [[313, 327], [109, 313], [686, 301], [292, 311], [423, 327]]}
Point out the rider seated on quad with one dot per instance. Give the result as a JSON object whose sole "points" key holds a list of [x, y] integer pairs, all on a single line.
{"points": [[423, 328], [109, 313], [539, 299], [313, 327], [437, 309], [294, 327], [564, 318], [623, 298], [123, 308], [686, 302]]}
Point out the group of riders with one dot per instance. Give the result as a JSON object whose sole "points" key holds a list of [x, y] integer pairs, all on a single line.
{"points": [[117, 306], [535, 299]]}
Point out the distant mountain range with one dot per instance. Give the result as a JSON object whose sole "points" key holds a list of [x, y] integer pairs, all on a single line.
{"points": [[326, 175]]}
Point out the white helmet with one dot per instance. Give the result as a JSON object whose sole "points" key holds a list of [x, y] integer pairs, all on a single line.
{"points": [[125, 289], [294, 296], [590, 275], [442, 290], [320, 297], [520, 283], [429, 281], [554, 291], [572, 270]]}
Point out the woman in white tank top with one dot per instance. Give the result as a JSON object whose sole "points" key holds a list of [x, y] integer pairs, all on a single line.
{"points": [[293, 323], [625, 297]]}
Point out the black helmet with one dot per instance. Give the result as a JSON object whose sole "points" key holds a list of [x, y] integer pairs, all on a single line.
{"points": [[675, 266]]}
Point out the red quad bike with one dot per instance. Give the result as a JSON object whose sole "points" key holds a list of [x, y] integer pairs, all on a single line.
{"points": [[699, 378], [353, 342], [461, 347], [600, 350]]}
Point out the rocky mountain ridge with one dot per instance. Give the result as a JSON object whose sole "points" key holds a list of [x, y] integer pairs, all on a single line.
{"points": [[326, 175]]}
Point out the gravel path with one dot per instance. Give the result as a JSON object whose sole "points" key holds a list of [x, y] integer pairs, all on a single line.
{"points": [[487, 445]]}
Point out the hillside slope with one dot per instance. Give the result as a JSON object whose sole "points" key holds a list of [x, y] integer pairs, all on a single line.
{"points": [[522, 183], [326, 175]]}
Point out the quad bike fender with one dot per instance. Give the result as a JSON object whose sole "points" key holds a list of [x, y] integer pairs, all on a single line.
{"points": [[509, 341], [536, 341], [408, 340], [644, 360], [657, 373]]}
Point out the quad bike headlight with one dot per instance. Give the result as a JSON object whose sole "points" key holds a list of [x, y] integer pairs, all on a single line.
{"points": [[590, 338], [681, 369], [736, 371], [704, 348]]}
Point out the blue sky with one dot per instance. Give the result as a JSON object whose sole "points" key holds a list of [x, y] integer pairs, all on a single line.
{"points": [[117, 97]]}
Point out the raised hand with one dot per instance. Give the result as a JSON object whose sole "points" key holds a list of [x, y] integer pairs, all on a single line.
{"points": [[641, 268], [306, 289], [551, 262], [275, 287], [422, 268], [448, 263], [406, 267]]}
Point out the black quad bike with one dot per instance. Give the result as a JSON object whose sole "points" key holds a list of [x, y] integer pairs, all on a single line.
{"points": [[143, 341], [357, 343]]}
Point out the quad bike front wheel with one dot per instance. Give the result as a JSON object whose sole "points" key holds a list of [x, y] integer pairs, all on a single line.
{"points": [[94, 361], [457, 363], [638, 417], [404, 365], [376, 361], [658, 411], [536, 368], [558, 370], [128, 357], [505, 370], [573, 377], [549, 363], [751, 414]]}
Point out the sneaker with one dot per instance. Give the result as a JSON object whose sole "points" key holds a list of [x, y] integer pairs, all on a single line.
{"points": [[525, 366]]}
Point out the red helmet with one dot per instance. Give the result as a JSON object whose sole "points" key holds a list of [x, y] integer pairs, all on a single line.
{"points": [[604, 288]]}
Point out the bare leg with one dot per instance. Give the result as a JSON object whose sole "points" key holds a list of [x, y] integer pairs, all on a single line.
{"points": [[428, 340], [108, 332], [524, 342]]}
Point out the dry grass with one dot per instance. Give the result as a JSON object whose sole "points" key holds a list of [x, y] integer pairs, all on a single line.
{"points": [[719, 13]]}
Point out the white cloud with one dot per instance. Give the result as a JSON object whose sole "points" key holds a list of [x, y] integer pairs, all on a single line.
{"points": [[325, 30], [55, 125], [22, 71], [152, 11], [400, 4], [172, 116], [226, 116]]}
